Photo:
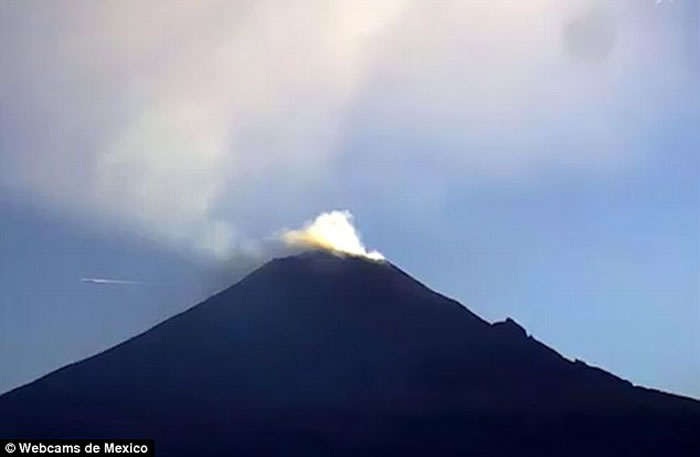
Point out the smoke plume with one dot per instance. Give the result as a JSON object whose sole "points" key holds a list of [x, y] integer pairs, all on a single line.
{"points": [[205, 125], [333, 231]]}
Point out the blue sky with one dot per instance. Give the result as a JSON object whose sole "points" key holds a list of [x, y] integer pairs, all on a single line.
{"points": [[539, 160]]}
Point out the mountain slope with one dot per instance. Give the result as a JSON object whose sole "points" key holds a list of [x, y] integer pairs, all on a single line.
{"points": [[321, 355]]}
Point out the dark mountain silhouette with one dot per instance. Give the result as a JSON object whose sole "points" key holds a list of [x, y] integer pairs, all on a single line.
{"points": [[316, 355]]}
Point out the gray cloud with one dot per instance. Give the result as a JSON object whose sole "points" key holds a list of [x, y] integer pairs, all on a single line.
{"points": [[591, 34], [202, 124]]}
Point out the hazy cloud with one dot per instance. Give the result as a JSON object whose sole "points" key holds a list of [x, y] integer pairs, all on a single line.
{"points": [[201, 124]]}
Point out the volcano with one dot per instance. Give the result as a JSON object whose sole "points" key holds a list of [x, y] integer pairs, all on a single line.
{"points": [[321, 355]]}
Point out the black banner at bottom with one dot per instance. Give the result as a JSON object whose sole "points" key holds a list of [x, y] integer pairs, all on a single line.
{"points": [[59, 448]]}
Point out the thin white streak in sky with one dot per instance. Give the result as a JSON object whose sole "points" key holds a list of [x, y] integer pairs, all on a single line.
{"points": [[114, 282]]}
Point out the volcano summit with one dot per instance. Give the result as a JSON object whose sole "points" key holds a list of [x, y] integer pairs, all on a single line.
{"points": [[321, 355]]}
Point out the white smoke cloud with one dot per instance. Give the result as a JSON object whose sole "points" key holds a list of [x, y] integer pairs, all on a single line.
{"points": [[333, 231], [205, 125]]}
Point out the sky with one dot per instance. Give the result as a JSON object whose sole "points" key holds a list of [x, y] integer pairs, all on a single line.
{"points": [[534, 159]]}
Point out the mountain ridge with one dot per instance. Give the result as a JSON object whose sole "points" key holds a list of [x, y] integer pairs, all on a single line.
{"points": [[343, 347]]}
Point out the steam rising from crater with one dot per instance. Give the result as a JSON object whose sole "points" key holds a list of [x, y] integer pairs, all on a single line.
{"points": [[333, 231]]}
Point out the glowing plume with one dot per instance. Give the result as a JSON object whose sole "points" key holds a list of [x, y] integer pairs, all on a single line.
{"points": [[333, 231]]}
